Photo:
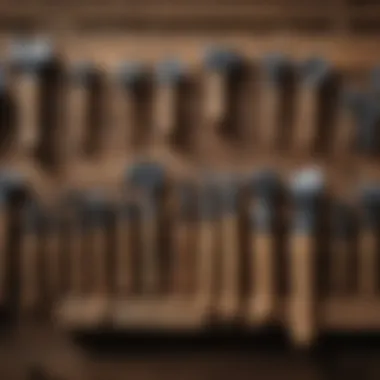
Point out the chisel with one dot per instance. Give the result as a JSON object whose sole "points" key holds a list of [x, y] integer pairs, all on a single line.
{"points": [[229, 301], [263, 212], [314, 73], [208, 213], [147, 179], [342, 230], [81, 78], [219, 64], [306, 188], [169, 75], [275, 70], [368, 248], [33, 224], [31, 59], [129, 76]]}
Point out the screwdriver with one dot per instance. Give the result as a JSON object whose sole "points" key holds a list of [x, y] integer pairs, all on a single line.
{"points": [[342, 224], [306, 189], [32, 59], [368, 239], [263, 212], [314, 73], [229, 190], [276, 68], [219, 62], [147, 179], [169, 75], [129, 75]]}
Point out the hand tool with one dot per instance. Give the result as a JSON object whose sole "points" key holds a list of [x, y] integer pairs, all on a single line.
{"points": [[148, 179], [219, 62], [229, 301], [208, 213], [263, 213], [81, 77], [33, 223], [342, 231], [169, 75], [314, 73], [32, 59], [129, 76], [368, 248], [276, 67], [183, 246], [126, 216], [306, 189]]}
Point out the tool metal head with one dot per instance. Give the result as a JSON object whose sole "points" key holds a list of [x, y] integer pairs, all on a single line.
{"points": [[370, 203], [32, 56], [148, 176], [130, 73], [221, 59], [315, 71], [276, 66], [83, 72], [170, 71]]}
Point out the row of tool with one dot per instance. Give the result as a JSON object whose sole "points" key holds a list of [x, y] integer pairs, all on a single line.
{"points": [[192, 249], [66, 109]]}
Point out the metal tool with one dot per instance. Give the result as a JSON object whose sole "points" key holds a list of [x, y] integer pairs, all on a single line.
{"points": [[276, 68], [81, 75], [219, 62], [34, 222], [147, 179], [263, 213], [31, 58], [208, 209], [11, 182], [306, 188], [129, 76], [314, 73], [368, 248], [182, 238], [169, 75], [229, 301], [342, 230]]}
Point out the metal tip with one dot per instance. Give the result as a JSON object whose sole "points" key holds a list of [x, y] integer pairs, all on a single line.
{"points": [[276, 66], [170, 71], [315, 70], [148, 175], [129, 73], [307, 182], [32, 55], [221, 59]]}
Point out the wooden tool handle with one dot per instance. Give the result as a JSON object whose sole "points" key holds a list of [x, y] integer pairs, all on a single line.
{"points": [[270, 104], [215, 101], [98, 252], [165, 110], [263, 271], [124, 272], [307, 118], [229, 301], [339, 265], [206, 263], [29, 271], [76, 262], [3, 255], [77, 119], [302, 292], [180, 262], [149, 255], [54, 269], [27, 93], [368, 263]]}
